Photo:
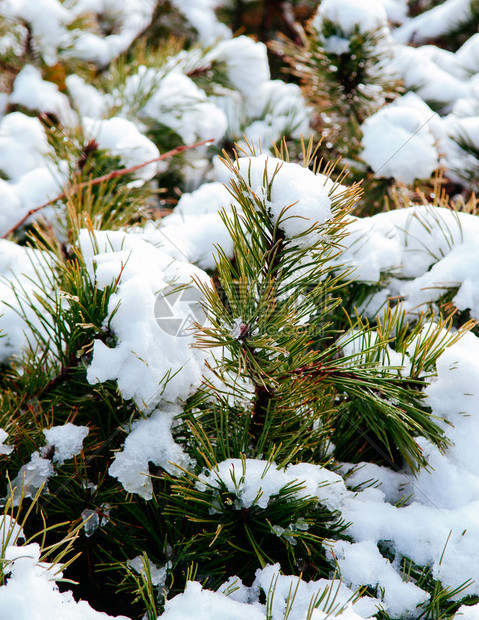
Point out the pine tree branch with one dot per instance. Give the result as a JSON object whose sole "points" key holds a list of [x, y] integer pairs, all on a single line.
{"points": [[106, 177], [263, 396]]}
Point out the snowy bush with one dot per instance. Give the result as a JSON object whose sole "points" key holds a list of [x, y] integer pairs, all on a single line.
{"points": [[237, 380]]}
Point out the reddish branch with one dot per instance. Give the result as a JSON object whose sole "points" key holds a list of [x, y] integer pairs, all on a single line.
{"points": [[106, 177]]}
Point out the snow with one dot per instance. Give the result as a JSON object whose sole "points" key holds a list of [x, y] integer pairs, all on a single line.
{"points": [[67, 441], [200, 14], [255, 481], [47, 19], [149, 440], [429, 251], [433, 23], [5, 448], [365, 15], [423, 76], [157, 573], [396, 10], [299, 199], [415, 253], [19, 268], [37, 187], [243, 603], [121, 138], [86, 98], [282, 110], [34, 93], [466, 612], [208, 605], [10, 532], [151, 361], [246, 63], [28, 575], [362, 564], [374, 519], [397, 141], [444, 496], [130, 18], [179, 104], [25, 160], [467, 56], [279, 587], [394, 484], [23, 145], [194, 228], [31, 477]]}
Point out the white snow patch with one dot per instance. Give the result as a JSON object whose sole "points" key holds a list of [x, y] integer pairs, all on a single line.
{"points": [[31, 91], [365, 15], [361, 564], [201, 15], [66, 439], [299, 197], [121, 137], [398, 141], [149, 440], [195, 602], [270, 580], [23, 145], [256, 481], [19, 268], [47, 19], [157, 574], [152, 359], [5, 448], [179, 104], [31, 477], [26, 574]]}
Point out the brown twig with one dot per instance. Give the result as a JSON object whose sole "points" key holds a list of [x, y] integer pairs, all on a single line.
{"points": [[106, 177]]}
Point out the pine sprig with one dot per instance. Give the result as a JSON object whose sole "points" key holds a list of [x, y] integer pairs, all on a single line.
{"points": [[276, 282]]}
